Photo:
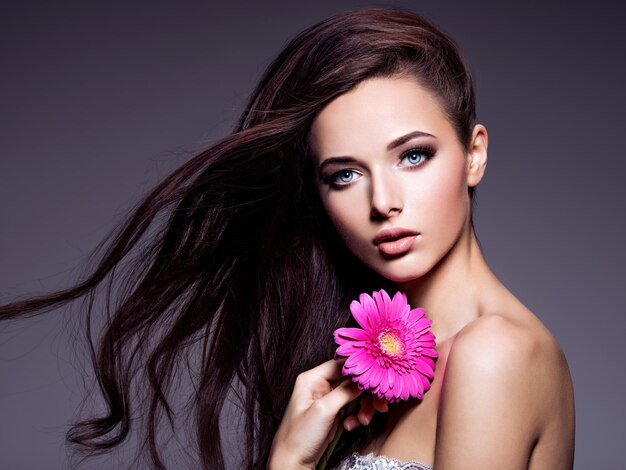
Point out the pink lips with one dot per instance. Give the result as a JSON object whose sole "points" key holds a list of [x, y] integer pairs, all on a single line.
{"points": [[395, 241]]}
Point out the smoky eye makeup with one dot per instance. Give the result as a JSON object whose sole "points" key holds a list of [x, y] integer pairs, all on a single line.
{"points": [[425, 151], [339, 178], [414, 158], [327, 176]]}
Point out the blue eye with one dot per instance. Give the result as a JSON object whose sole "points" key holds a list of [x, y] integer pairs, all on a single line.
{"points": [[417, 156], [340, 178], [343, 177]]}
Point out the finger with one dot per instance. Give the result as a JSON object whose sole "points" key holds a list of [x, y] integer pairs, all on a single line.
{"points": [[350, 423], [354, 420], [380, 404], [343, 394], [329, 370], [366, 413], [319, 380]]}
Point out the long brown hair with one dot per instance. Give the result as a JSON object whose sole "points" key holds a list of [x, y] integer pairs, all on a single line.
{"points": [[242, 266]]}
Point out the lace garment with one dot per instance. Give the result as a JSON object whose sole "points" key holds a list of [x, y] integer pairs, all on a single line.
{"points": [[356, 461]]}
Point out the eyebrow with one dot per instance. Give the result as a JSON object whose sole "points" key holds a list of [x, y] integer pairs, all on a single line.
{"points": [[405, 138], [392, 145]]}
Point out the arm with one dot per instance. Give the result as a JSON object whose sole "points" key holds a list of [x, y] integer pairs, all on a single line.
{"points": [[492, 398]]}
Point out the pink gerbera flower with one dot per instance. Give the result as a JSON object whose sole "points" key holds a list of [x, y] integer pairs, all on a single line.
{"points": [[393, 355]]}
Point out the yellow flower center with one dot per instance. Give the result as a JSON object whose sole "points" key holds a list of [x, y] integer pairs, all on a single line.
{"points": [[390, 343]]}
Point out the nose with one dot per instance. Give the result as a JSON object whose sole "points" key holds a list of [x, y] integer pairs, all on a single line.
{"points": [[386, 196]]}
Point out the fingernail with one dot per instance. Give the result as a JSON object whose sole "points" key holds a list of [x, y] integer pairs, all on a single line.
{"points": [[351, 423]]}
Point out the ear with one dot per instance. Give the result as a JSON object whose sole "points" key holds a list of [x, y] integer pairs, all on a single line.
{"points": [[477, 155]]}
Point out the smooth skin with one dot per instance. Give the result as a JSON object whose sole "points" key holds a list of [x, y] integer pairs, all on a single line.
{"points": [[502, 395], [310, 420]]}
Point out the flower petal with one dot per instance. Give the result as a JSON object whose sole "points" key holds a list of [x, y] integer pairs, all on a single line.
{"points": [[352, 333], [429, 352], [369, 306], [419, 386], [408, 387], [384, 382], [399, 303], [359, 314], [364, 371], [429, 361], [405, 315], [417, 313], [380, 306], [421, 324], [387, 305], [347, 349], [412, 385], [375, 374], [424, 368], [391, 376], [425, 382], [398, 387], [354, 359]]}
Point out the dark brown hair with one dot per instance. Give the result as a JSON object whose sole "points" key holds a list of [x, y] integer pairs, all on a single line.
{"points": [[243, 278]]}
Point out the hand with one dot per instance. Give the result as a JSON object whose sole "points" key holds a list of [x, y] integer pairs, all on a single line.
{"points": [[310, 420]]}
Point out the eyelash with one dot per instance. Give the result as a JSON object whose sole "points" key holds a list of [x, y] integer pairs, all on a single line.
{"points": [[427, 152]]}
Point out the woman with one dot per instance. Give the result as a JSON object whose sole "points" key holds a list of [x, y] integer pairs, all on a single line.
{"points": [[391, 163], [363, 124]]}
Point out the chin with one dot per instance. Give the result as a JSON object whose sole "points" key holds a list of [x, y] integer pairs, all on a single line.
{"points": [[401, 274], [400, 278]]}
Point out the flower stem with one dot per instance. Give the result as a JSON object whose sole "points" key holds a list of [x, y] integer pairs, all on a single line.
{"points": [[351, 407]]}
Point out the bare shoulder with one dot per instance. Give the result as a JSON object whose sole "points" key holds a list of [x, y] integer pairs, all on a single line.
{"points": [[497, 350], [500, 346], [505, 378]]}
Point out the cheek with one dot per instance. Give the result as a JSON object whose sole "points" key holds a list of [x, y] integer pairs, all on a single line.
{"points": [[447, 199], [346, 211]]}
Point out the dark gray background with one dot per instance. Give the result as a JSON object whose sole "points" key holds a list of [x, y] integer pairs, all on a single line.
{"points": [[99, 100]]}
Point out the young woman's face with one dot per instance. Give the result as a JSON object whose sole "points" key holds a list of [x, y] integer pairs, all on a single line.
{"points": [[388, 159]]}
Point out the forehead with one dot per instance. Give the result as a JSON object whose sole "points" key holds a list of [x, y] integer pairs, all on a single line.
{"points": [[374, 113]]}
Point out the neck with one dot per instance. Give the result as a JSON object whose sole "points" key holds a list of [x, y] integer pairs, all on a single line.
{"points": [[452, 291]]}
